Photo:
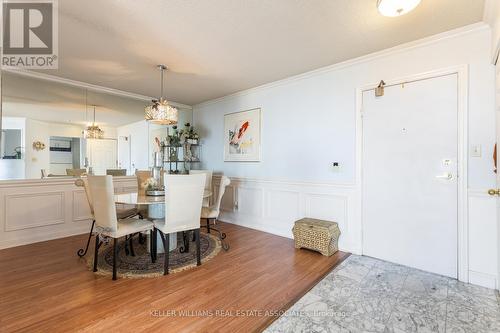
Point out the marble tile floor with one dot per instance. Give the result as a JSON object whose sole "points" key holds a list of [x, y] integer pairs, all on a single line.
{"points": [[369, 295]]}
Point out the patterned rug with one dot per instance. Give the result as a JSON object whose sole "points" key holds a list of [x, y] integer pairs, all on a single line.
{"points": [[140, 265]]}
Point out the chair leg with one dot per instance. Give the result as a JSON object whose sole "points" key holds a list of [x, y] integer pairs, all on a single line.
{"points": [[155, 244], [222, 236], [166, 251], [131, 244], [208, 226], [198, 248], [151, 247], [165, 239], [115, 254], [81, 252], [96, 252], [127, 252]]}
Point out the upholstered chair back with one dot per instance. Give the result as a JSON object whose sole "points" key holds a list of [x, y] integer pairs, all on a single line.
{"points": [[85, 184], [102, 193], [208, 175], [142, 176], [116, 172], [75, 172], [224, 181], [183, 198], [208, 183]]}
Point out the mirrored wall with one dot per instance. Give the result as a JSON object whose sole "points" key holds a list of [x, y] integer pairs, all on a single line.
{"points": [[45, 130]]}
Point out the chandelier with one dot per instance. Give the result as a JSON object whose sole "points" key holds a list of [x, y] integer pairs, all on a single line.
{"points": [[93, 131], [161, 112]]}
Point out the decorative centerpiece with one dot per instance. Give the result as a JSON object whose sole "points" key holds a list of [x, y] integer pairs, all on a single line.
{"points": [[153, 185]]}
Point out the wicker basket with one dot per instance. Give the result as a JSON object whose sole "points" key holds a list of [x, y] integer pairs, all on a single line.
{"points": [[317, 235]]}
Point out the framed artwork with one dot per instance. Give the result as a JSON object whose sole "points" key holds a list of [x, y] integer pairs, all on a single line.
{"points": [[242, 136]]}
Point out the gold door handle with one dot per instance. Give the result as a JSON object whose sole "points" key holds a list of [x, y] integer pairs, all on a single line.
{"points": [[494, 191]]}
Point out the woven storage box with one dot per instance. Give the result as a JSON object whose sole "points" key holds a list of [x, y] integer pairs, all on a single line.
{"points": [[317, 235]]}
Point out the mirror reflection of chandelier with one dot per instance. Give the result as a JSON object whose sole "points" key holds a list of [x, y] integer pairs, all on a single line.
{"points": [[93, 131], [161, 112]]}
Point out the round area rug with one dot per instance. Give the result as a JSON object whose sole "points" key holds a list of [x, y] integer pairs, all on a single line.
{"points": [[140, 265]]}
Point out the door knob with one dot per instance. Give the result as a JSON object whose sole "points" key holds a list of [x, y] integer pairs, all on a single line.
{"points": [[494, 191]]}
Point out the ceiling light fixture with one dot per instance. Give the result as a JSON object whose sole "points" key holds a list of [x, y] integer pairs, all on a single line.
{"points": [[394, 8], [93, 131], [161, 112]]}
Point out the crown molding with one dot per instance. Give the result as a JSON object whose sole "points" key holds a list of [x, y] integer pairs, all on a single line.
{"points": [[89, 86], [468, 29]]}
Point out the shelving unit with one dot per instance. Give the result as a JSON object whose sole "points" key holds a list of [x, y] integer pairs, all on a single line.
{"points": [[181, 156]]}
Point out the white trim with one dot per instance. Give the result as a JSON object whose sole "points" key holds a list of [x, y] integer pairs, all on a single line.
{"points": [[42, 236], [462, 223], [287, 182], [468, 29], [94, 87], [483, 279]]}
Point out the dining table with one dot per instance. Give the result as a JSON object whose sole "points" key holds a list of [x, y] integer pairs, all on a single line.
{"points": [[155, 211]]}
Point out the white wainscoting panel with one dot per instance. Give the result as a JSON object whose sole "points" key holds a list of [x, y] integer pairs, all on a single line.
{"points": [[483, 239], [42, 209], [274, 206], [30, 210], [81, 209], [250, 201]]}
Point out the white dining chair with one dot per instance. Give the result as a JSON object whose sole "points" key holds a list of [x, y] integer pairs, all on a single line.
{"points": [[212, 213], [142, 176], [121, 213], [183, 198], [208, 183], [107, 222]]}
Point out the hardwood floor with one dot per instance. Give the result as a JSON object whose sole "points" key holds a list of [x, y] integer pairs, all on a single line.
{"points": [[45, 287]]}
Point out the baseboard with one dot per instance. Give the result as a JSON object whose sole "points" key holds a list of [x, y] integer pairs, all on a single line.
{"points": [[483, 279], [42, 237], [228, 218]]}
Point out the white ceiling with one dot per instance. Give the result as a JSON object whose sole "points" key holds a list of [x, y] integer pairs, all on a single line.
{"points": [[217, 47]]}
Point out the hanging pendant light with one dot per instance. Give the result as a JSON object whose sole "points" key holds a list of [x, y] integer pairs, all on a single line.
{"points": [[93, 131], [394, 8], [161, 112]]}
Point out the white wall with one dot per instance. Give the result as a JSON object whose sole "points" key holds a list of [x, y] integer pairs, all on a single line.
{"points": [[308, 122], [139, 143], [492, 17], [42, 131], [140, 138]]}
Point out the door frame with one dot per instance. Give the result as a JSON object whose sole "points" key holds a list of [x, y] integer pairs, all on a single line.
{"points": [[462, 72]]}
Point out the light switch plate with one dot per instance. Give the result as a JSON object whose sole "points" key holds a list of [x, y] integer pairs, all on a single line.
{"points": [[336, 167], [475, 151]]}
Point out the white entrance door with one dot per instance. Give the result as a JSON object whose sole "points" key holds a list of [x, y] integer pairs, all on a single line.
{"points": [[124, 154], [409, 171], [102, 155]]}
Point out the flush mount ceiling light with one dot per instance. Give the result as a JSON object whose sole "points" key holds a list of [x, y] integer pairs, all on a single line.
{"points": [[160, 112], [394, 8], [93, 131]]}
